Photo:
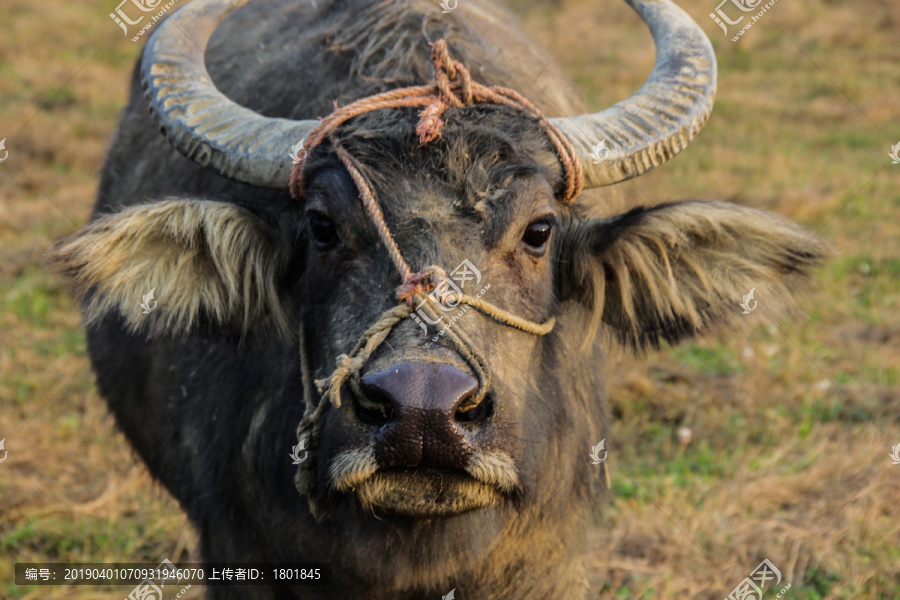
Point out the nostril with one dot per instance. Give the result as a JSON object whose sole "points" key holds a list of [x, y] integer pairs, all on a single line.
{"points": [[477, 414], [373, 406]]}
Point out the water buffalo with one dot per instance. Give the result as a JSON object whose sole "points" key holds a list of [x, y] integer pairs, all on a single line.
{"points": [[444, 422]]}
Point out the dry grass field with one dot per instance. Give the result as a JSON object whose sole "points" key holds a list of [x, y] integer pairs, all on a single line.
{"points": [[792, 422]]}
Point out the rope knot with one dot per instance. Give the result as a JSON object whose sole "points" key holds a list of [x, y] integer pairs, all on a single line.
{"points": [[330, 386], [425, 281], [451, 76], [454, 88]]}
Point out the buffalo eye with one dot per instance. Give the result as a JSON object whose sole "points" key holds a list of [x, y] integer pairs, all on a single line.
{"points": [[324, 233], [536, 236]]}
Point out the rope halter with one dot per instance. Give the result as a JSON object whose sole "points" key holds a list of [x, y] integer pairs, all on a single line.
{"points": [[453, 86]]}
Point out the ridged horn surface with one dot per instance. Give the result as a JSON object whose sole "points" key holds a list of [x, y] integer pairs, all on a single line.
{"points": [[200, 121], [661, 119]]}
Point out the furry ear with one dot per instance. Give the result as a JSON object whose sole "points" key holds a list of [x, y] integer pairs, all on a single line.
{"points": [[679, 270], [202, 260]]}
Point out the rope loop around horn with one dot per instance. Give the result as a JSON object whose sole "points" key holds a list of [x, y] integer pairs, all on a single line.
{"points": [[452, 86]]}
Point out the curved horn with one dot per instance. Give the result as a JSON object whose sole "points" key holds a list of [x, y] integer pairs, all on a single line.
{"points": [[642, 132], [660, 120], [199, 120]]}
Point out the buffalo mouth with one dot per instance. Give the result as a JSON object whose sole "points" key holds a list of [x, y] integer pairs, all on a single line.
{"points": [[425, 491]]}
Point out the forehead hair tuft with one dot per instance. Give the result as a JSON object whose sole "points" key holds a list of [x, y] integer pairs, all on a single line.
{"points": [[481, 151]]}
